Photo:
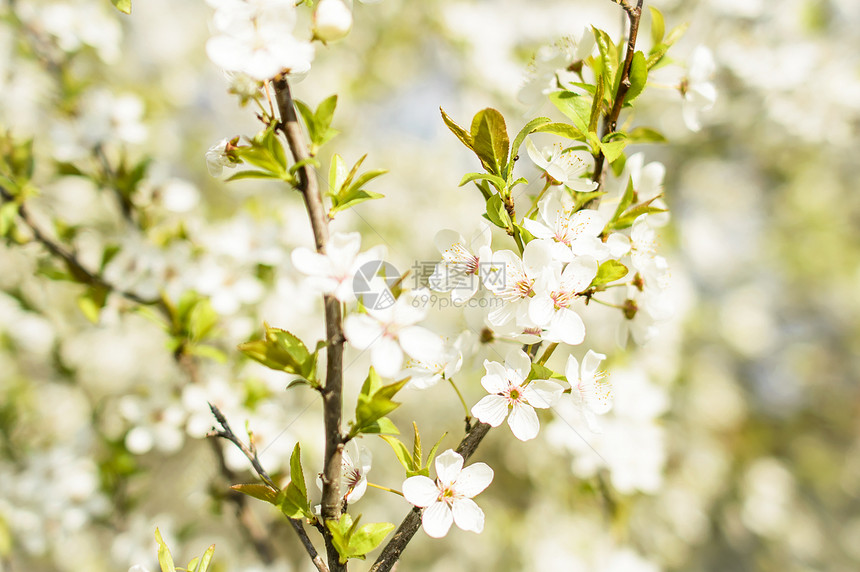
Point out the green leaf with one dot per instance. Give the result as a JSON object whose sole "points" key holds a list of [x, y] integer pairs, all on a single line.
{"points": [[432, 455], [613, 149], [575, 106], [645, 135], [123, 6], [658, 26], [351, 199], [374, 402], [258, 491], [252, 174], [528, 128], [496, 212], [279, 350], [368, 537], [201, 320], [490, 142], [353, 542], [325, 112], [562, 129], [416, 445], [336, 174], [165, 559], [381, 425], [8, 216], [631, 215], [609, 271], [203, 566], [638, 77], [539, 371], [293, 500], [401, 452], [461, 133], [497, 181], [346, 189], [609, 63], [626, 199], [596, 105]]}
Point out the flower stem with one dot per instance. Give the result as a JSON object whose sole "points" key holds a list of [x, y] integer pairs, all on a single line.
{"points": [[592, 299], [462, 401], [380, 487], [539, 197], [546, 353]]}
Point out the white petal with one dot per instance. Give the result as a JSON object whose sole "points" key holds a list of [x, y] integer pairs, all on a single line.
{"points": [[495, 381], [541, 309], [473, 479], [543, 393], [538, 229], [518, 364], [421, 344], [524, 422], [491, 409], [386, 356], [446, 238], [590, 363], [309, 262], [468, 515], [361, 330], [437, 520], [571, 370], [357, 492], [420, 491], [537, 256], [448, 466], [535, 155], [567, 326]]}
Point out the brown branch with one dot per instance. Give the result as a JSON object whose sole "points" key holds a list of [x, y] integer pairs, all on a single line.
{"points": [[634, 14], [227, 433], [78, 270], [332, 392], [407, 529]]}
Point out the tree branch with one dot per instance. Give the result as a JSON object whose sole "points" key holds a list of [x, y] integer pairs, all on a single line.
{"points": [[634, 14], [407, 529], [332, 392], [227, 433], [78, 270]]}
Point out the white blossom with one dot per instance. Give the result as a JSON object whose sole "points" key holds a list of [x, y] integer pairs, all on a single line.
{"points": [[355, 464], [698, 91], [390, 332], [511, 279], [562, 166], [512, 397], [460, 269], [334, 272], [332, 20], [591, 392], [571, 233], [448, 499], [556, 291]]}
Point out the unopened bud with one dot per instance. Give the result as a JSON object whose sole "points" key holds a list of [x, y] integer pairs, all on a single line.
{"points": [[332, 20]]}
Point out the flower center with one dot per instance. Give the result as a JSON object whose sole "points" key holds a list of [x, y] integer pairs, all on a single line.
{"points": [[561, 299]]}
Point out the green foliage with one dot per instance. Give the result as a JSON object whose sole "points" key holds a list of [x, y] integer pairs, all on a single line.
{"points": [[282, 351], [496, 212], [413, 462], [374, 403], [638, 77], [353, 542], [293, 500], [609, 271], [123, 6], [265, 152], [575, 106], [318, 123], [487, 138], [260, 492], [165, 559], [345, 189], [16, 165]]}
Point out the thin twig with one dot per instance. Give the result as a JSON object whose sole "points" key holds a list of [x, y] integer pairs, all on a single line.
{"points": [[227, 433], [78, 270], [332, 393], [634, 14], [407, 529]]}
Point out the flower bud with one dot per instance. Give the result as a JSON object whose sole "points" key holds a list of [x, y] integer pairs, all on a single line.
{"points": [[332, 20]]}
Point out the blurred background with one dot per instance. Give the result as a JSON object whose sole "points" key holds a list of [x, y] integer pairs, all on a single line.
{"points": [[733, 443]]}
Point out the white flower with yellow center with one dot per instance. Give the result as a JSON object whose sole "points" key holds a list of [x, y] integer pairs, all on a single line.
{"points": [[512, 397], [448, 499], [590, 389], [571, 233], [556, 292], [461, 266], [565, 167], [512, 279]]}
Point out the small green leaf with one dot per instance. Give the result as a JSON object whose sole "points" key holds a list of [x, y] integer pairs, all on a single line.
{"points": [[400, 451], [381, 425], [645, 135], [496, 212], [461, 133], [92, 301], [658, 26], [613, 149], [368, 537], [432, 455], [638, 77], [258, 491], [539, 371], [490, 142], [375, 405], [575, 106], [252, 174], [596, 105], [203, 566], [416, 445], [123, 6], [294, 499], [297, 475], [631, 215], [562, 129], [279, 350], [497, 181], [336, 174], [165, 559], [609, 271], [626, 199]]}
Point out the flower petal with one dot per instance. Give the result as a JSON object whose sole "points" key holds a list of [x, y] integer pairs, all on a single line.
{"points": [[542, 393], [524, 422], [448, 466], [468, 515], [590, 363], [420, 490], [491, 409], [437, 520], [473, 479], [386, 356], [518, 364], [361, 330], [496, 379], [421, 344]]}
